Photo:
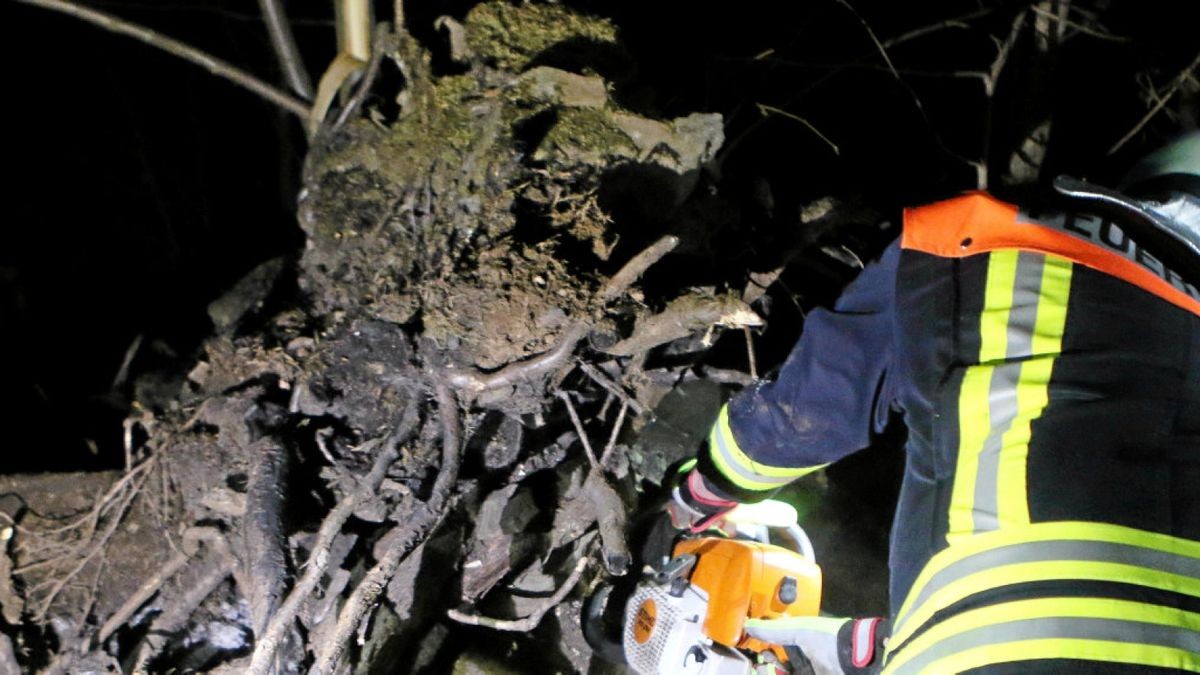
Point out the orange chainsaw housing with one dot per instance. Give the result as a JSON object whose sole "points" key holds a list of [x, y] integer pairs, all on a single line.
{"points": [[743, 579]]}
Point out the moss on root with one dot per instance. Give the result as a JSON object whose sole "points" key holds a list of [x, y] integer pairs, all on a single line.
{"points": [[511, 35]]}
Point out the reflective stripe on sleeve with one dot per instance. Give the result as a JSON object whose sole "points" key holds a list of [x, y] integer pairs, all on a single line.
{"points": [[736, 466], [1100, 629]]}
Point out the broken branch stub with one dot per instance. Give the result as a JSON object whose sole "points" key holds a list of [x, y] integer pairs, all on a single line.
{"points": [[683, 317]]}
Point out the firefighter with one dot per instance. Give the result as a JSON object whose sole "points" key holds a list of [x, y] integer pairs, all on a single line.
{"points": [[1046, 362]]}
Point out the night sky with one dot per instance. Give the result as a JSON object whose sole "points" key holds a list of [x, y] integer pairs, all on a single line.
{"points": [[140, 187]]}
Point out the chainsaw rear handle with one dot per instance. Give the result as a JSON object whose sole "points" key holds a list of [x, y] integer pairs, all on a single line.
{"points": [[594, 633]]}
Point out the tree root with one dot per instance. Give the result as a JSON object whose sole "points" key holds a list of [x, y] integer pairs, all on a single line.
{"points": [[407, 537], [475, 383], [532, 620], [318, 559]]}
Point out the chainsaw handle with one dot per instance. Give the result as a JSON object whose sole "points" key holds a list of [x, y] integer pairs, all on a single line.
{"points": [[773, 515], [803, 544]]}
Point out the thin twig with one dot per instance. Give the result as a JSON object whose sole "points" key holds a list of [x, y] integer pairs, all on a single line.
{"points": [[989, 89], [613, 435], [989, 82], [955, 22], [583, 438], [611, 387], [188, 53], [1174, 87], [286, 51], [535, 617], [874, 38], [750, 352], [91, 520], [318, 559], [548, 361], [765, 109], [192, 538], [130, 352], [176, 614], [97, 545], [407, 537], [1082, 28]]}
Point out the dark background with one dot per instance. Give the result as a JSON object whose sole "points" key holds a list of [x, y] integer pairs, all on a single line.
{"points": [[139, 187]]}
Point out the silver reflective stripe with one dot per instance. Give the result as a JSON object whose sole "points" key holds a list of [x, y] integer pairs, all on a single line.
{"points": [[1002, 392], [717, 440], [1047, 551], [1112, 630]]}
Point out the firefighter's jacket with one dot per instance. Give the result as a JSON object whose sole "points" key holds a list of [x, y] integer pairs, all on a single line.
{"points": [[1048, 371]]}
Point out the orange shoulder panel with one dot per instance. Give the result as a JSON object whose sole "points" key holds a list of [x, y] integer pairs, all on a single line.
{"points": [[978, 223]]}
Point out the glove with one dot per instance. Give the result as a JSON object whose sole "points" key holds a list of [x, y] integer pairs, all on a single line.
{"points": [[694, 506], [831, 645]]}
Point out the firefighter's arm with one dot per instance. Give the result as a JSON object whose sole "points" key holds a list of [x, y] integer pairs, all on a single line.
{"points": [[830, 396]]}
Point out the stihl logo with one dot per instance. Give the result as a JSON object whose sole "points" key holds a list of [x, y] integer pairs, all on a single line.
{"points": [[643, 623]]}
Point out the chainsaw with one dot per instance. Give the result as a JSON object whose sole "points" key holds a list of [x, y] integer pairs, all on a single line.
{"points": [[686, 616]]}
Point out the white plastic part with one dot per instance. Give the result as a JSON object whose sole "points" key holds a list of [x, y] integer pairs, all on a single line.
{"points": [[770, 512], [751, 519], [674, 642]]}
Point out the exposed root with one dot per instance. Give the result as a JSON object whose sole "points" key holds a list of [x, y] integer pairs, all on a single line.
{"points": [[532, 620], [318, 560], [405, 538]]}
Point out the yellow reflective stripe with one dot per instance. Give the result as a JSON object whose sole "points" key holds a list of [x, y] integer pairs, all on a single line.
{"points": [[1019, 573], [997, 305], [1020, 329], [1033, 391], [1068, 530], [1059, 607], [1092, 650], [735, 465], [974, 423]]}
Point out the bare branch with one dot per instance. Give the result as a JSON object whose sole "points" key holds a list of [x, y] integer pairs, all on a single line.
{"points": [[765, 109], [611, 387], [956, 22], [1166, 96], [636, 267], [534, 618], [750, 352], [524, 370], [874, 38], [989, 82], [407, 537], [614, 434], [192, 539], [191, 54], [318, 560], [286, 51], [583, 437], [1082, 28]]}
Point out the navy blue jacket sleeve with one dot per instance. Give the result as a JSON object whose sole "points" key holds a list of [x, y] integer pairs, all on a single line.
{"points": [[830, 395]]}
